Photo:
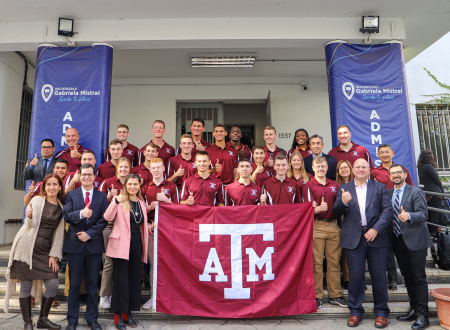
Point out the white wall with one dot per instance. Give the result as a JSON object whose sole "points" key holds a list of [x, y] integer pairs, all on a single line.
{"points": [[12, 69], [139, 105], [435, 59]]}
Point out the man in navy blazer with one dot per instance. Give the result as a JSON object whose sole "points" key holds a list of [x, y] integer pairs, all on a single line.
{"points": [[83, 210], [316, 145], [367, 209]]}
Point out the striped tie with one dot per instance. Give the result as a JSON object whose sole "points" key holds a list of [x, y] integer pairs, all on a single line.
{"points": [[397, 230]]}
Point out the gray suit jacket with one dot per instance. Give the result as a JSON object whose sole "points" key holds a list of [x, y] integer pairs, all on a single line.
{"points": [[415, 231], [36, 174]]}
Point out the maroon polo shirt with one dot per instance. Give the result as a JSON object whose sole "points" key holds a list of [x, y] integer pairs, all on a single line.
{"points": [[237, 193], [355, 152], [204, 143], [37, 189], [97, 181], [305, 153], [150, 190], [381, 174], [74, 164], [175, 163], [130, 151], [106, 185], [106, 170], [207, 192], [301, 183], [313, 190], [241, 147], [144, 172], [228, 158], [286, 192], [275, 153], [165, 152], [262, 177]]}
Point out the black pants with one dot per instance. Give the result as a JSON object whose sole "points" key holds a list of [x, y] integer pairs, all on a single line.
{"points": [[412, 266], [433, 216], [391, 267], [88, 265], [126, 292]]}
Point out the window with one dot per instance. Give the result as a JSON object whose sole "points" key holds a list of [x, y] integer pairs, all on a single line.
{"points": [[24, 137]]}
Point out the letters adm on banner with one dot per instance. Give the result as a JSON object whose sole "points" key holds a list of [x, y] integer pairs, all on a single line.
{"points": [[236, 231]]}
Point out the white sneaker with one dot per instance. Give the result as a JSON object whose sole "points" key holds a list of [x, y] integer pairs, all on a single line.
{"points": [[148, 304], [105, 302]]}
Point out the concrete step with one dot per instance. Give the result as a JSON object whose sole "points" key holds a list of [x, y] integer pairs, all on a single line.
{"points": [[397, 308]]}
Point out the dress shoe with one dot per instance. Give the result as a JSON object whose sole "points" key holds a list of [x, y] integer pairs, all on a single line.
{"points": [[354, 321], [392, 286], [410, 316], [381, 322], [118, 321], [94, 326], [129, 320], [422, 322], [72, 326]]}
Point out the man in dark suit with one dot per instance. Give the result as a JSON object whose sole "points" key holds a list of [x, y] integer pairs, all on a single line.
{"points": [[367, 211], [83, 210], [411, 239], [316, 145], [38, 167]]}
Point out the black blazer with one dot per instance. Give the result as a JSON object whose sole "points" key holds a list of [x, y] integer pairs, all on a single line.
{"points": [[430, 179], [93, 226], [332, 164], [379, 214], [36, 174], [415, 231]]}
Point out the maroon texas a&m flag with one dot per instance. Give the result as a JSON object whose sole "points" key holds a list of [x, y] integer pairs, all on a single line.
{"points": [[234, 261]]}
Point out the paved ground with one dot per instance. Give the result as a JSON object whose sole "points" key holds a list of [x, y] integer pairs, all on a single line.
{"points": [[210, 324]]}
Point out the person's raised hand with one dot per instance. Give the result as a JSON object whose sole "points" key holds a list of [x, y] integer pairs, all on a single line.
{"points": [[180, 171], [76, 177], [161, 196], [113, 191], [200, 147], [259, 168], [190, 199], [346, 196], [403, 216], [31, 188], [29, 211], [263, 198], [34, 161], [217, 167], [74, 152], [242, 153], [269, 162], [323, 205], [86, 212], [120, 198]]}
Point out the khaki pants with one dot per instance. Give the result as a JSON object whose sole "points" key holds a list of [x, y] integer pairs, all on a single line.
{"points": [[326, 237], [150, 256], [107, 274], [344, 265]]}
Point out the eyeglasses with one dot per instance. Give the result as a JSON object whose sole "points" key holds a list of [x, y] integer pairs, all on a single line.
{"points": [[46, 147], [321, 166], [396, 173]]}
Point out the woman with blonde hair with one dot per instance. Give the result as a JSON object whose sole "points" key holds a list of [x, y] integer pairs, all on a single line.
{"points": [[297, 170], [32, 261], [344, 174], [128, 245]]}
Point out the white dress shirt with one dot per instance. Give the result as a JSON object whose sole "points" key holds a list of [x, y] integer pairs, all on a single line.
{"points": [[361, 194]]}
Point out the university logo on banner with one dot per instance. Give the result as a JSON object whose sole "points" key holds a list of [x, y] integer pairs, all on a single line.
{"points": [[47, 91], [241, 261], [349, 89]]}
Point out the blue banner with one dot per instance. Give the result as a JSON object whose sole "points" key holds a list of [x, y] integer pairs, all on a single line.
{"points": [[368, 93], [72, 89]]}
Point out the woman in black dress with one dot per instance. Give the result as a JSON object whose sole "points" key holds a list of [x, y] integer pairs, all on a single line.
{"points": [[35, 249], [429, 177]]}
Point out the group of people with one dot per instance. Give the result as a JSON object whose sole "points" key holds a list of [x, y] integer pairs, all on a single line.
{"points": [[104, 214]]}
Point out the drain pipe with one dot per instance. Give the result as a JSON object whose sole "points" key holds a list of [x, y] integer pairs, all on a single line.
{"points": [[25, 83]]}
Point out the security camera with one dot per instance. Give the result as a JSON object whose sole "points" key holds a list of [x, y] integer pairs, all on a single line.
{"points": [[304, 86]]}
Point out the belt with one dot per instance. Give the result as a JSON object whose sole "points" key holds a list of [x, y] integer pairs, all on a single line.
{"points": [[325, 220]]}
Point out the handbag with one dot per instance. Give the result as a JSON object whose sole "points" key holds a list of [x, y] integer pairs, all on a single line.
{"points": [[440, 250], [444, 218]]}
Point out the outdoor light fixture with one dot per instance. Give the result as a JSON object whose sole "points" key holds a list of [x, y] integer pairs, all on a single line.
{"points": [[65, 27], [223, 60], [370, 24]]}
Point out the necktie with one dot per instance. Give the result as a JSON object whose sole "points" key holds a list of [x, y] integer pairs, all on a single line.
{"points": [[87, 200], [397, 230], [45, 166]]}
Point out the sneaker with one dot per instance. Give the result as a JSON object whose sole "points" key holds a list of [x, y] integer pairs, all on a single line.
{"points": [[340, 301], [148, 304], [319, 303], [105, 302]]}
